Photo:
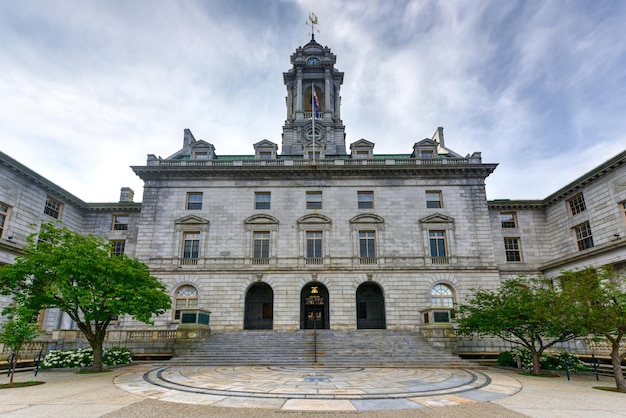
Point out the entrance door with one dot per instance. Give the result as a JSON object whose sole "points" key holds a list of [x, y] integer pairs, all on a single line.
{"points": [[370, 307], [314, 304], [259, 308]]}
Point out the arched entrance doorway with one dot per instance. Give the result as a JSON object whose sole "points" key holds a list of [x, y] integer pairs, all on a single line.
{"points": [[370, 307], [314, 304], [259, 307]]}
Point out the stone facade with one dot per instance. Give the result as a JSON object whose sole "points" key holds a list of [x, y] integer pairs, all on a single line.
{"points": [[381, 239]]}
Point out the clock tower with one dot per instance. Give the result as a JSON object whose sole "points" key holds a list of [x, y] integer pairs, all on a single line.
{"points": [[307, 132]]}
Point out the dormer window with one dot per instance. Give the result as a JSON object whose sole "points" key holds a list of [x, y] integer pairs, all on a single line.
{"points": [[362, 149], [202, 150], [265, 150], [426, 148]]}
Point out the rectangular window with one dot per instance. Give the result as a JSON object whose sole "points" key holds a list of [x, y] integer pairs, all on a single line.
{"points": [[191, 245], [365, 200], [433, 199], [118, 247], [4, 216], [508, 219], [577, 204], [512, 249], [313, 200], [437, 241], [584, 239], [314, 244], [314, 155], [53, 208], [363, 155], [261, 245], [367, 244], [202, 155], [427, 154], [265, 155], [120, 222], [194, 200], [262, 200]]}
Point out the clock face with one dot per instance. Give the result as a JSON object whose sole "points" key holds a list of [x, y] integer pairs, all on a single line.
{"points": [[313, 61]]}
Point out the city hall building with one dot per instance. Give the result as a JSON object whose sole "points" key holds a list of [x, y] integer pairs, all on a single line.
{"points": [[317, 232]]}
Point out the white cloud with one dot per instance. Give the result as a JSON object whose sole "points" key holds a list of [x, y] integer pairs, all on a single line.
{"points": [[89, 88]]}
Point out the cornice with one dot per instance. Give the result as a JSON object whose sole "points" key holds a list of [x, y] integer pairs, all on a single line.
{"points": [[575, 186], [314, 172], [515, 204], [40, 181], [114, 207]]}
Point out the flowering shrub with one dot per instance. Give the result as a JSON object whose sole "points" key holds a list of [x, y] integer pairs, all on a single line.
{"points": [[548, 361], [83, 357], [117, 355]]}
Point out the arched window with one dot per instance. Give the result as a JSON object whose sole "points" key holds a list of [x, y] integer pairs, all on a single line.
{"points": [[186, 297], [442, 295]]}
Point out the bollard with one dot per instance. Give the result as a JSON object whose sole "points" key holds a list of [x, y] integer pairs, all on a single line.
{"points": [[566, 366], [594, 364], [37, 361], [10, 360]]}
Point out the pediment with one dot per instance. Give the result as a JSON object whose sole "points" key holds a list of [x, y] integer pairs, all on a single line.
{"points": [[314, 219], [364, 143], [368, 218], [438, 218], [191, 220], [201, 144], [426, 143], [265, 143], [260, 220]]}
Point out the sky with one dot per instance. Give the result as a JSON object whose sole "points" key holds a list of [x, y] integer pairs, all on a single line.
{"points": [[90, 88]]}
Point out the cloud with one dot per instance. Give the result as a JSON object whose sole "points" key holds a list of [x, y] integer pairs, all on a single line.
{"points": [[95, 86]]}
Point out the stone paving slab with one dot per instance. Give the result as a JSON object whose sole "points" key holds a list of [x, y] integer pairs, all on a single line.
{"points": [[96, 395], [330, 389]]}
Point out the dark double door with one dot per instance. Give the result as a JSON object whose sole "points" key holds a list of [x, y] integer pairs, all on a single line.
{"points": [[259, 308], [370, 307], [314, 307]]}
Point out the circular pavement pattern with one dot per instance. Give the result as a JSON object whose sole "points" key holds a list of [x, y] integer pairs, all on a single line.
{"points": [[333, 389]]}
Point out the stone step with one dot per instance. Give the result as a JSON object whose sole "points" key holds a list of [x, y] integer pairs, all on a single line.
{"points": [[370, 348]]}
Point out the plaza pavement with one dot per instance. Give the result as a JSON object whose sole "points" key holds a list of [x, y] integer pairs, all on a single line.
{"points": [[160, 390]]}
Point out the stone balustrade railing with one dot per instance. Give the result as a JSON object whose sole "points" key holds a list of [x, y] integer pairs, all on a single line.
{"points": [[235, 262], [286, 162]]}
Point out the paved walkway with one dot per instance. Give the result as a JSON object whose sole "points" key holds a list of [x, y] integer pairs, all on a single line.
{"points": [[162, 391]]}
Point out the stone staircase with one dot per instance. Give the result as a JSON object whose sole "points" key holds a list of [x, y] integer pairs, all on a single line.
{"points": [[362, 348]]}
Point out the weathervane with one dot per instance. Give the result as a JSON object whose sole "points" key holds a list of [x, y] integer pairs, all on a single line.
{"points": [[312, 22]]}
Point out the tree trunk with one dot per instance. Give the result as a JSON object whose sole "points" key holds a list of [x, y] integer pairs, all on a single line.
{"points": [[96, 346], [616, 361], [13, 367], [536, 361]]}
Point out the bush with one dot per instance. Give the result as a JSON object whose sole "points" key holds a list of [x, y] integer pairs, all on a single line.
{"points": [[117, 355], [551, 361], [507, 359], [83, 357]]}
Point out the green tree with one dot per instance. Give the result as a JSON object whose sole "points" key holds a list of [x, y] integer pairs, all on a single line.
{"points": [[524, 311], [17, 331], [601, 296], [80, 276]]}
